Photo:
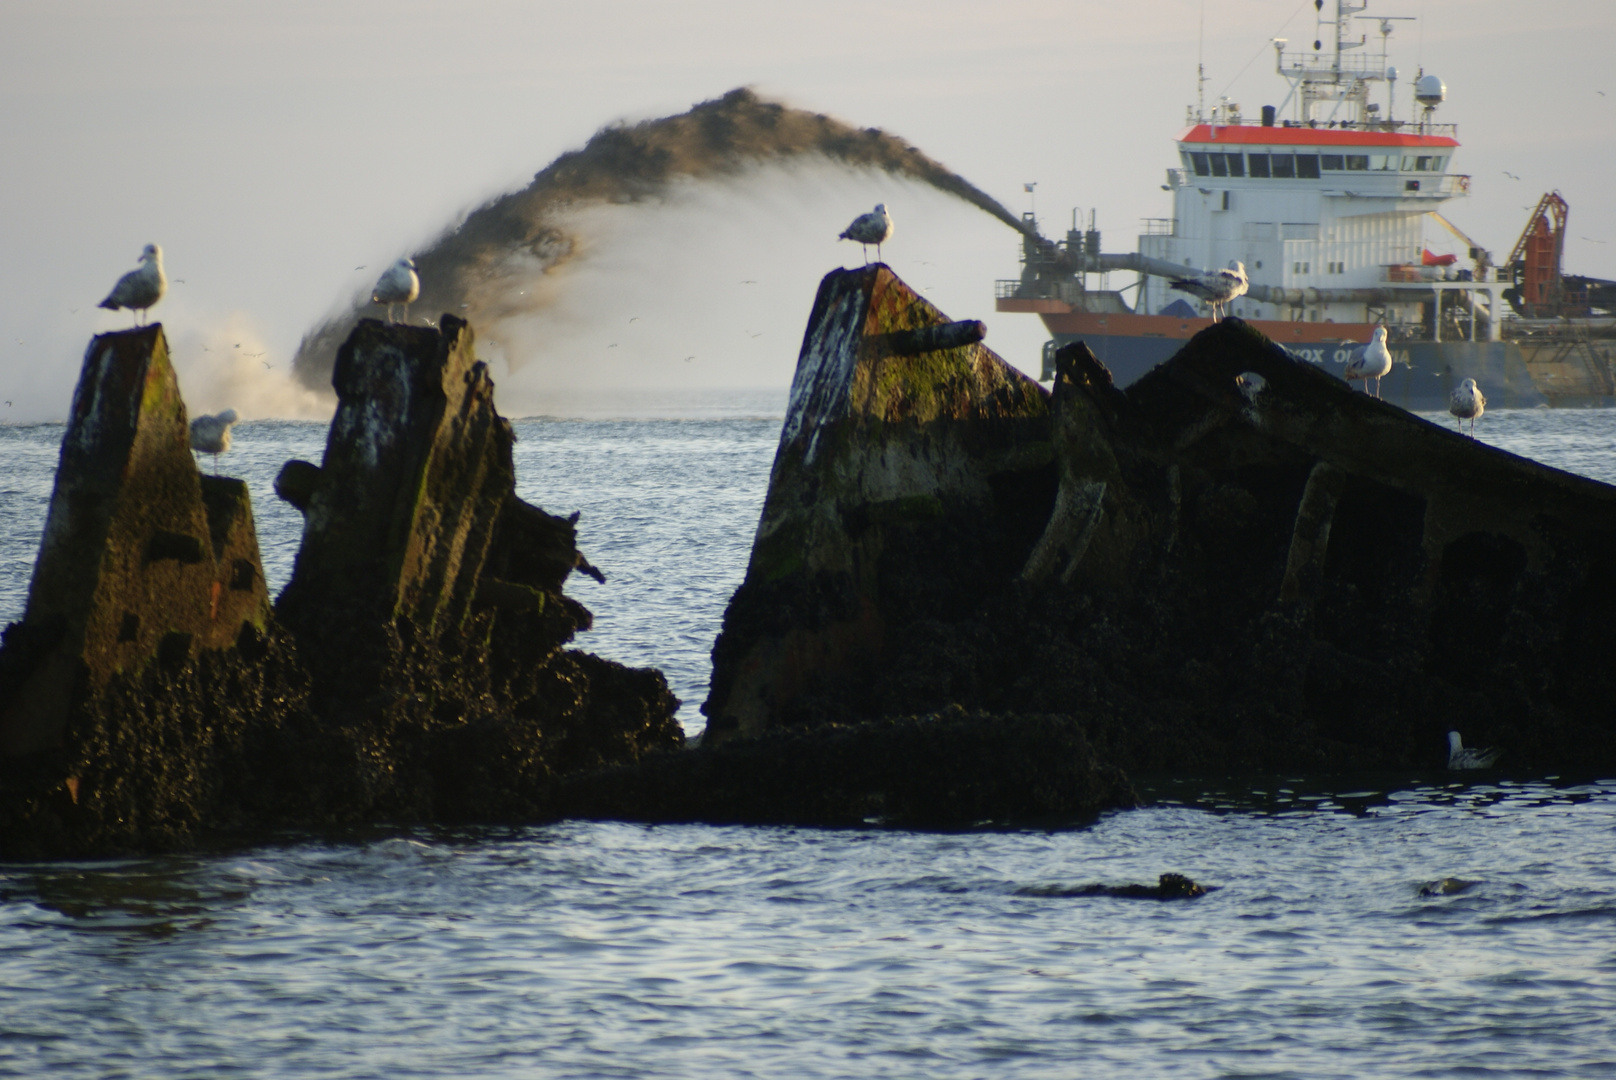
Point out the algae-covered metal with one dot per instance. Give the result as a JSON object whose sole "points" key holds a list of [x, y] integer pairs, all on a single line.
{"points": [[901, 425], [141, 557]]}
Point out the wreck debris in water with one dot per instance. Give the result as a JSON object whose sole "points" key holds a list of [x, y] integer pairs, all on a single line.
{"points": [[415, 667]]}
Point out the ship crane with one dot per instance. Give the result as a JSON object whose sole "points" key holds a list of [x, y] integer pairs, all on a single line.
{"points": [[1535, 260]]}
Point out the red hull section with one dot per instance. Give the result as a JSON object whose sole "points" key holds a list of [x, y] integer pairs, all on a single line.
{"points": [[1059, 317]]}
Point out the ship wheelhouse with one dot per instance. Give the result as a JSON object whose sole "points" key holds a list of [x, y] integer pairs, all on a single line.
{"points": [[1331, 217]]}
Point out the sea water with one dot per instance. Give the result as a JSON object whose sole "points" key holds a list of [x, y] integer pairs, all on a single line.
{"points": [[1404, 925]]}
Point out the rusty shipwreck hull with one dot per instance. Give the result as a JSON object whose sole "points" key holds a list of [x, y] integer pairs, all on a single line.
{"points": [[1239, 563], [415, 668]]}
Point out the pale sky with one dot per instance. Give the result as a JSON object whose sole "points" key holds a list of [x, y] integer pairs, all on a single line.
{"points": [[273, 148]]}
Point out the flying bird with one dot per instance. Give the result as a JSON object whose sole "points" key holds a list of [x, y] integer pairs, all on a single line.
{"points": [[1372, 361], [139, 289], [1461, 758], [1218, 288], [211, 434], [873, 228], [1467, 403], [398, 284], [1511, 175]]}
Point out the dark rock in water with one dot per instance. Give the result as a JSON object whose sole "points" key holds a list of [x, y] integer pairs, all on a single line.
{"points": [[1168, 887], [1448, 886], [908, 486], [950, 770], [415, 668]]}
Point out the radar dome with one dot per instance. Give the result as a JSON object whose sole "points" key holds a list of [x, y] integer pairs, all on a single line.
{"points": [[1430, 91]]}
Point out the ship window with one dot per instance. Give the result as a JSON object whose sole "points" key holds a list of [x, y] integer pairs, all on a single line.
{"points": [[1237, 164], [1437, 163], [1284, 165], [1331, 162], [1382, 162], [1422, 163], [1357, 162], [1258, 163], [1219, 166], [1307, 166], [1408, 163], [1199, 161]]}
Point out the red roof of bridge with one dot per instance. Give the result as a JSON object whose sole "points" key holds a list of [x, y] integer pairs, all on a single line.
{"points": [[1251, 134]]}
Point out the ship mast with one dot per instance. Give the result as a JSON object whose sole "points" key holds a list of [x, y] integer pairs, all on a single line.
{"points": [[1330, 87]]}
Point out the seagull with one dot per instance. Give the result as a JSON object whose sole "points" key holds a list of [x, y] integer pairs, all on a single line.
{"points": [[1461, 758], [1511, 175], [1371, 362], [1467, 403], [139, 289], [1250, 384], [873, 228], [398, 284], [1217, 289], [211, 434]]}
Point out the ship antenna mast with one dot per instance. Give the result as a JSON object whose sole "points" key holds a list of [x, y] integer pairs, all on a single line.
{"points": [[1200, 67]]}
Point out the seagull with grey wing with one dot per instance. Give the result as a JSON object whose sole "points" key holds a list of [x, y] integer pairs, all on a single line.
{"points": [[1372, 361], [1467, 403], [872, 228], [140, 289], [211, 434], [1461, 757], [1218, 288], [398, 284]]}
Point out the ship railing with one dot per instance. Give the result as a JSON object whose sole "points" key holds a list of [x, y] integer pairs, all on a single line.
{"points": [[1068, 290], [1416, 274], [1159, 226], [1296, 65]]}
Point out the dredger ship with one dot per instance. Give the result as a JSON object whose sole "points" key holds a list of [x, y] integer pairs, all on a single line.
{"points": [[1334, 205]]}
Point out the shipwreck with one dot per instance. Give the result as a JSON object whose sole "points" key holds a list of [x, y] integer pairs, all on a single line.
{"points": [[969, 599]]}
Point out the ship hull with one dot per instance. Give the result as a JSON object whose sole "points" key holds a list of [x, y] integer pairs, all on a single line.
{"points": [[1424, 373]]}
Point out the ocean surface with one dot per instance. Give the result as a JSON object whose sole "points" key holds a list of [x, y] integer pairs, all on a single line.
{"points": [[1361, 926]]}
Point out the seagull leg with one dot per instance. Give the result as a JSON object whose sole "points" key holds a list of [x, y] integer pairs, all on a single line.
{"points": [[406, 311]]}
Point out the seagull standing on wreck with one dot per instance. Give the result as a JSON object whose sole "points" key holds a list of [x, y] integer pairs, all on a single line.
{"points": [[1371, 362], [398, 284], [873, 228], [211, 434], [139, 290], [1217, 289], [1467, 403]]}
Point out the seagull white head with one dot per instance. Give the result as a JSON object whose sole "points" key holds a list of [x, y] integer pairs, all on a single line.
{"points": [[1380, 335], [880, 208], [1238, 267], [151, 253]]}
